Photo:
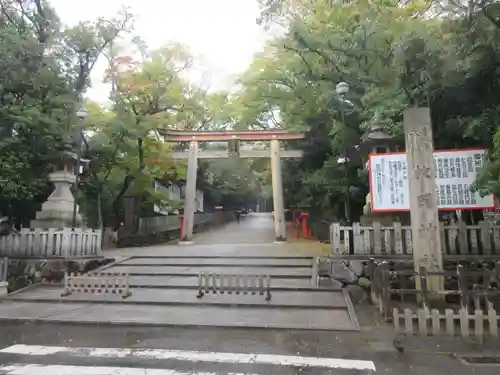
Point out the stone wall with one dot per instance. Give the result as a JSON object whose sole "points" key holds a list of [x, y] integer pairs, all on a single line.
{"points": [[21, 273]]}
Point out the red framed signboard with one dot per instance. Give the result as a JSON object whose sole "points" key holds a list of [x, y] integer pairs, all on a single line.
{"points": [[456, 172]]}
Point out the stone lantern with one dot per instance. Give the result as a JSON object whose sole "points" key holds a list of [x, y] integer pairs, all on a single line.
{"points": [[57, 210], [377, 141]]}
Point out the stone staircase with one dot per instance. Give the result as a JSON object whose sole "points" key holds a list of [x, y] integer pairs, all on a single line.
{"points": [[165, 288]]}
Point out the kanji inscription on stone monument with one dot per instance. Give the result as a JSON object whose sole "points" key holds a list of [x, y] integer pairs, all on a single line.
{"points": [[423, 193]]}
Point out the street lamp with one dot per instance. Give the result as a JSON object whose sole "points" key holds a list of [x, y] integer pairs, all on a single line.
{"points": [[342, 89], [344, 162], [81, 114]]}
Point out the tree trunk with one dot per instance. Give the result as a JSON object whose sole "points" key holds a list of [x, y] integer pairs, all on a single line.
{"points": [[116, 203], [142, 164], [100, 224]]}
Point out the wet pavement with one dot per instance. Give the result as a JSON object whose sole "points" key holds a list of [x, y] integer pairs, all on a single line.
{"points": [[252, 237], [254, 228], [198, 316]]}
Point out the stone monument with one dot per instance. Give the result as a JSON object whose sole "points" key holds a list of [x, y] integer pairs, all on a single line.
{"points": [[57, 210], [423, 196]]}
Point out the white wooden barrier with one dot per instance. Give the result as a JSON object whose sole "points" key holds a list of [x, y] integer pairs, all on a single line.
{"points": [[238, 284], [97, 283], [432, 322], [459, 239], [66, 243]]}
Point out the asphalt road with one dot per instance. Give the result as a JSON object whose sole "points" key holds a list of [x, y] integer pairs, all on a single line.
{"points": [[57, 349]]}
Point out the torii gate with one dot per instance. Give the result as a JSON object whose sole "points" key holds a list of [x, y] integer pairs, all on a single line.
{"points": [[234, 136]]}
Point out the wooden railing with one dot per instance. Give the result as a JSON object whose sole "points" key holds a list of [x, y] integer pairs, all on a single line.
{"points": [[161, 229], [471, 287], [154, 224], [150, 225], [433, 322], [481, 239], [66, 243]]}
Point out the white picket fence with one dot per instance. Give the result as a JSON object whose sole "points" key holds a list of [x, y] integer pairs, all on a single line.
{"points": [[65, 243], [459, 239], [433, 322]]}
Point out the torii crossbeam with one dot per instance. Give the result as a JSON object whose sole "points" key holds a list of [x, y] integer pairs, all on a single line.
{"points": [[229, 135], [193, 137]]}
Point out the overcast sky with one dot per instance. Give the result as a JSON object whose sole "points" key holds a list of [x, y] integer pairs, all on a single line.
{"points": [[221, 34]]}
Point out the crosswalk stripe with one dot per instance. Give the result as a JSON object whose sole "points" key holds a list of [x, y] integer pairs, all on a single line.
{"points": [[193, 356], [34, 369]]}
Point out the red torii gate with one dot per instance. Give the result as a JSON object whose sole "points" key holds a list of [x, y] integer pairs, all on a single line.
{"points": [[194, 137]]}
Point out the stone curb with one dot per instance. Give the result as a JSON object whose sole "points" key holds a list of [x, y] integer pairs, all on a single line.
{"points": [[194, 264], [262, 305], [294, 257], [196, 274]]}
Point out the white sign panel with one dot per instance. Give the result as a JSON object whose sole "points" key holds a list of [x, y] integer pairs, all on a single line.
{"points": [[456, 173]]}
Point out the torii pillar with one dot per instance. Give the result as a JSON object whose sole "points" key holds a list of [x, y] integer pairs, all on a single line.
{"points": [[190, 196], [279, 210]]}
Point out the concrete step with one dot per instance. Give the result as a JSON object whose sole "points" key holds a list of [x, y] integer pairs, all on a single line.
{"points": [[198, 316], [280, 299], [195, 270], [219, 262], [191, 282]]}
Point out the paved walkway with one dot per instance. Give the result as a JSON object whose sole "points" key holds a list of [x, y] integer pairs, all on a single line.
{"points": [[252, 236], [252, 228], [164, 285]]}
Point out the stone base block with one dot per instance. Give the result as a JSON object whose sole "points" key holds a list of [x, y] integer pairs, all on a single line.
{"points": [[63, 206], [55, 219], [56, 215], [3, 288]]}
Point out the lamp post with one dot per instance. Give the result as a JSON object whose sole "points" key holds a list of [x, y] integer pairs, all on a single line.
{"points": [[81, 114], [344, 161], [342, 89]]}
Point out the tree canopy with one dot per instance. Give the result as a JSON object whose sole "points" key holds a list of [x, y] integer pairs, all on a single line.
{"points": [[47, 70], [392, 54]]}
